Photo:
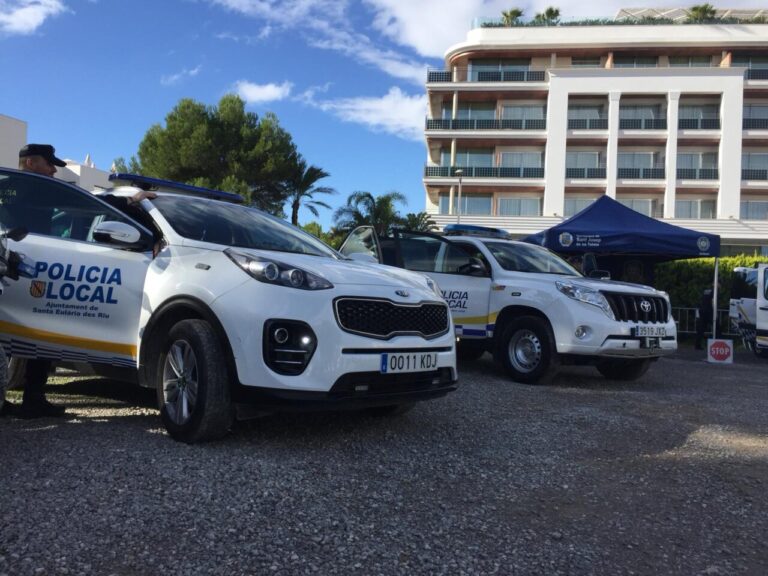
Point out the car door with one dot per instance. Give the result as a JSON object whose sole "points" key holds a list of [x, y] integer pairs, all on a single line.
{"points": [[761, 323], [84, 298]]}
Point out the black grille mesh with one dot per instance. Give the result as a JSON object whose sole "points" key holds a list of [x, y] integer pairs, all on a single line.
{"points": [[629, 307], [384, 319]]}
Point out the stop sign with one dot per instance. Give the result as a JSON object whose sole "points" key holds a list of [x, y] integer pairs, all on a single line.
{"points": [[720, 351]]}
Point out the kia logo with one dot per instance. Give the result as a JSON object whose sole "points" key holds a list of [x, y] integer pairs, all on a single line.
{"points": [[403, 293], [645, 306]]}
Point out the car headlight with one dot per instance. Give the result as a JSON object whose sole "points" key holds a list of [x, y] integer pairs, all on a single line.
{"points": [[274, 272], [587, 295]]}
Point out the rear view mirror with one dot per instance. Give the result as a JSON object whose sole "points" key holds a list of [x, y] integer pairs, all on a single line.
{"points": [[362, 257], [117, 233]]}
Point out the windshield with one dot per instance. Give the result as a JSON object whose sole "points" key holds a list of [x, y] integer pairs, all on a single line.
{"points": [[519, 257], [235, 225]]}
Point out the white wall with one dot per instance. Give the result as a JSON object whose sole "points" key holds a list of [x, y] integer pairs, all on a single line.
{"points": [[13, 135]]}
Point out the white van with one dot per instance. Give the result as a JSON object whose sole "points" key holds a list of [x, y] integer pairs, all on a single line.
{"points": [[217, 305], [748, 308], [532, 310]]}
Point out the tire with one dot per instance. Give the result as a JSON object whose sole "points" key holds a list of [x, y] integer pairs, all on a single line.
{"points": [[17, 369], [469, 350], [192, 383], [621, 369], [527, 351], [390, 411]]}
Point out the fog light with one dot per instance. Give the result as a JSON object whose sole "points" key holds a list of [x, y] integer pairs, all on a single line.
{"points": [[281, 335], [581, 332]]}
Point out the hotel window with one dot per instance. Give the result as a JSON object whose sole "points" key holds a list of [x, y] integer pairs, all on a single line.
{"points": [[754, 210], [756, 111], [575, 205], [705, 160], [695, 209], [524, 112], [640, 111], [699, 111], [586, 112], [632, 61], [485, 70], [471, 111], [754, 166], [482, 158], [522, 159], [585, 62], [750, 61], [639, 160], [584, 160], [519, 206], [471, 204], [690, 61], [642, 205]]}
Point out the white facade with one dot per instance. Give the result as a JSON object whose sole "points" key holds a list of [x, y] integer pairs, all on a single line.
{"points": [[13, 135], [670, 119]]}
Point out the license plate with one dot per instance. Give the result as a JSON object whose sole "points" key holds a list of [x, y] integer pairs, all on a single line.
{"points": [[649, 331], [408, 362]]}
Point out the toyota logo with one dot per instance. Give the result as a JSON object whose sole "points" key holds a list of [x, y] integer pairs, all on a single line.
{"points": [[645, 306]]}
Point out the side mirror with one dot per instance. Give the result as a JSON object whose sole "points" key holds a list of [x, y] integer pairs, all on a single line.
{"points": [[600, 274], [118, 233]]}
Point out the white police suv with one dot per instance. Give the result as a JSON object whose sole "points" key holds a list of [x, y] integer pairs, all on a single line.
{"points": [[527, 306], [217, 306]]}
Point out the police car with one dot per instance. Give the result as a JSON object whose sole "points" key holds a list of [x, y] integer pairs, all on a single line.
{"points": [[527, 306], [218, 306]]}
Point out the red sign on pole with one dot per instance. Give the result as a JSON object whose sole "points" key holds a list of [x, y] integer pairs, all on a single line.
{"points": [[720, 351]]}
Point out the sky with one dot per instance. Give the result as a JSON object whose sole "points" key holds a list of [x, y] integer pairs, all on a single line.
{"points": [[346, 78]]}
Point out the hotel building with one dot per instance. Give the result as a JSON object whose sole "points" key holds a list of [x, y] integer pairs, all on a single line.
{"points": [[527, 125]]}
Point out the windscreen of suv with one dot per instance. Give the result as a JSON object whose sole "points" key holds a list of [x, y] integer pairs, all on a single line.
{"points": [[235, 225], [528, 258]]}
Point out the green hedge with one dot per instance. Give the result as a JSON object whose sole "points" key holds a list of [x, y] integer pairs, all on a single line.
{"points": [[684, 280]]}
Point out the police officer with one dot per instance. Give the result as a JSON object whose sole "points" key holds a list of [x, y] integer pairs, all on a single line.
{"points": [[41, 159]]}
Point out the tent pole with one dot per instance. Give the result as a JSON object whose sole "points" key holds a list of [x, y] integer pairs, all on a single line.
{"points": [[714, 298]]}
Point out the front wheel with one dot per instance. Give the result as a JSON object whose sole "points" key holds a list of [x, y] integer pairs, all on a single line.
{"points": [[620, 369], [527, 350], [193, 388]]}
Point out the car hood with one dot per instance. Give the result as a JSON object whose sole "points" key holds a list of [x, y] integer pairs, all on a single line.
{"points": [[341, 272], [612, 285]]}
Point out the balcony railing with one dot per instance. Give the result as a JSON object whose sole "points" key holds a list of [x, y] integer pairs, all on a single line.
{"points": [[698, 123], [642, 123], [483, 172], [754, 174], [697, 173], [756, 74], [481, 124], [588, 124], [641, 173], [755, 123], [464, 75], [585, 172]]}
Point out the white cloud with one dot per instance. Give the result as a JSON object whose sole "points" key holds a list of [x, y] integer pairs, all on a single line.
{"points": [[26, 16], [259, 93], [249, 40], [396, 113], [172, 79]]}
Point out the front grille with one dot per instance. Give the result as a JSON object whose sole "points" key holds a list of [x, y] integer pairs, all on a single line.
{"points": [[384, 319], [630, 307], [371, 384]]}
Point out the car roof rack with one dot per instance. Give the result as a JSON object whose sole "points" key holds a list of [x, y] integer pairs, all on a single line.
{"points": [[159, 185], [471, 230]]}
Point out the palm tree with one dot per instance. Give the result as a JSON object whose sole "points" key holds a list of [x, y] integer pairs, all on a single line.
{"points": [[419, 222], [511, 17], [549, 17], [301, 188], [702, 13], [363, 208]]}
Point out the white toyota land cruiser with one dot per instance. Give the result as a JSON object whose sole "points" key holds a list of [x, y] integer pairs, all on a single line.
{"points": [[218, 306], [529, 307]]}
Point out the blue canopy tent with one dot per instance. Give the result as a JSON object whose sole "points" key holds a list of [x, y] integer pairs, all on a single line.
{"points": [[607, 227]]}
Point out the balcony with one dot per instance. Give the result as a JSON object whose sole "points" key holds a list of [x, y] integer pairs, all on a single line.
{"points": [[754, 174], [756, 74], [697, 174], [480, 124], [643, 124], [698, 123], [588, 124], [640, 173], [483, 172], [487, 76], [597, 173], [755, 123]]}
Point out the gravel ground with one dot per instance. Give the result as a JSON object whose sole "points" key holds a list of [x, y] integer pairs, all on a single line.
{"points": [[668, 475]]}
